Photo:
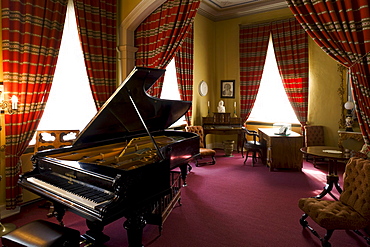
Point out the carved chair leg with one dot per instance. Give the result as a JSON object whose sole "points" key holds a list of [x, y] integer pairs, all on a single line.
{"points": [[246, 156], [213, 160], [303, 221], [362, 235], [325, 240], [196, 162], [189, 167]]}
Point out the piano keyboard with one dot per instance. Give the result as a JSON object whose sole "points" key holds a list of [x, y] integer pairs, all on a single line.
{"points": [[75, 192]]}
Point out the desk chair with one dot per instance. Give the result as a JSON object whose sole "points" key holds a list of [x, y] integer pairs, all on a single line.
{"points": [[254, 147], [350, 212], [203, 151]]}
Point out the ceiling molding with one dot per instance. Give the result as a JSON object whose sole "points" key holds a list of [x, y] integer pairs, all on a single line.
{"points": [[218, 10]]}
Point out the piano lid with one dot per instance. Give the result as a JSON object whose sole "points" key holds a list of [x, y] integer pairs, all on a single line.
{"points": [[118, 118]]}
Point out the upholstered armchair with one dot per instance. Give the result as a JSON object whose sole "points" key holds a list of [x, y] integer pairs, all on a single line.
{"points": [[350, 212], [203, 151]]}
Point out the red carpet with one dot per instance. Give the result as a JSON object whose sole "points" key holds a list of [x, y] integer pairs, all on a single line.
{"points": [[229, 204]]}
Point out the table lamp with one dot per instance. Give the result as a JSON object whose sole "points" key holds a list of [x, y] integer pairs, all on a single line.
{"points": [[349, 120]]}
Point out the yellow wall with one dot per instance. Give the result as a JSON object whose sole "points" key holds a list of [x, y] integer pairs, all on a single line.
{"points": [[325, 105], [204, 66], [125, 7]]}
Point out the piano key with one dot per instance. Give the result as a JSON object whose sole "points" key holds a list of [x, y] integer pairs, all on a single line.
{"points": [[66, 194]]}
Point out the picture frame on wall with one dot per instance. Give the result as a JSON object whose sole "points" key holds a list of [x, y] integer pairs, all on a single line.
{"points": [[227, 88]]}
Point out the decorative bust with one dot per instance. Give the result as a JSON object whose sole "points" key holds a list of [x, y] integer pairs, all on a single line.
{"points": [[221, 107]]}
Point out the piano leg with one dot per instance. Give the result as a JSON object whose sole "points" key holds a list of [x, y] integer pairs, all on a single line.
{"points": [[134, 226], [184, 173], [95, 233]]}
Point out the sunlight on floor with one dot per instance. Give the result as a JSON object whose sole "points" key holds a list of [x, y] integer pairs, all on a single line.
{"points": [[315, 175]]}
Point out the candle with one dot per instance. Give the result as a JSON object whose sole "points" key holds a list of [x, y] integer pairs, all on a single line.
{"points": [[208, 103], [234, 104], [14, 102]]}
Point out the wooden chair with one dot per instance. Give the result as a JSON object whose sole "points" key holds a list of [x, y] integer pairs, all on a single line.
{"points": [[350, 212], [314, 136], [254, 146], [203, 151]]}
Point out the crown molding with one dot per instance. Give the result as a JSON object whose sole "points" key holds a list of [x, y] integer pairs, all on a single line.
{"points": [[216, 13]]}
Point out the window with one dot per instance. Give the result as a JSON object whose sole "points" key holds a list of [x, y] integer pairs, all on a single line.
{"points": [[70, 105], [170, 88], [272, 104]]}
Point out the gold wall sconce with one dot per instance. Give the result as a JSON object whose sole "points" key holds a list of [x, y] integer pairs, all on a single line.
{"points": [[11, 105]]}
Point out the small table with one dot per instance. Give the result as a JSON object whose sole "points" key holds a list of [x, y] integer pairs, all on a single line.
{"points": [[333, 154]]}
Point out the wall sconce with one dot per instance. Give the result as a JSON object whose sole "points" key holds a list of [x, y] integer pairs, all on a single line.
{"points": [[12, 105], [349, 120]]}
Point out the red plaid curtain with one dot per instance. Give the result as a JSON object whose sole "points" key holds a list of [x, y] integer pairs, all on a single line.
{"points": [[291, 52], [32, 33], [253, 43], [97, 30], [159, 37], [342, 29], [184, 71]]}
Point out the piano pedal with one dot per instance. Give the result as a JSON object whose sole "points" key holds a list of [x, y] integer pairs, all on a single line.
{"points": [[85, 243], [51, 211], [49, 205]]}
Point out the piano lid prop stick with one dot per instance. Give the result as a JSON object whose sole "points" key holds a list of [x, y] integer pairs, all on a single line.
{"points": [[146, 128]]}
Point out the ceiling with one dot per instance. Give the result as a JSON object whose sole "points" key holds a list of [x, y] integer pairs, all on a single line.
{"points": [[218, 10]]}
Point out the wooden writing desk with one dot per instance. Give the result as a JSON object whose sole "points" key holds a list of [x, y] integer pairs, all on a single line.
{"points": [[223, 124], [281, 151]]}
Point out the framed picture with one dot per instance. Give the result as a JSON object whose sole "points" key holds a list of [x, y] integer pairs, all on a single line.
{"points": [[227, 88]]}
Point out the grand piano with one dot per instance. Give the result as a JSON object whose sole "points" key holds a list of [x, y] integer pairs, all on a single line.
{"points": [[120, 163]]}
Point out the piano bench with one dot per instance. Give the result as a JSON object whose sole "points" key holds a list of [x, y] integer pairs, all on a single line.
{"points": [[41, 233]]}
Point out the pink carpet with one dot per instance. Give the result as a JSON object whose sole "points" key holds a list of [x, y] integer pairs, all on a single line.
{"points": [[229, 204]]}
